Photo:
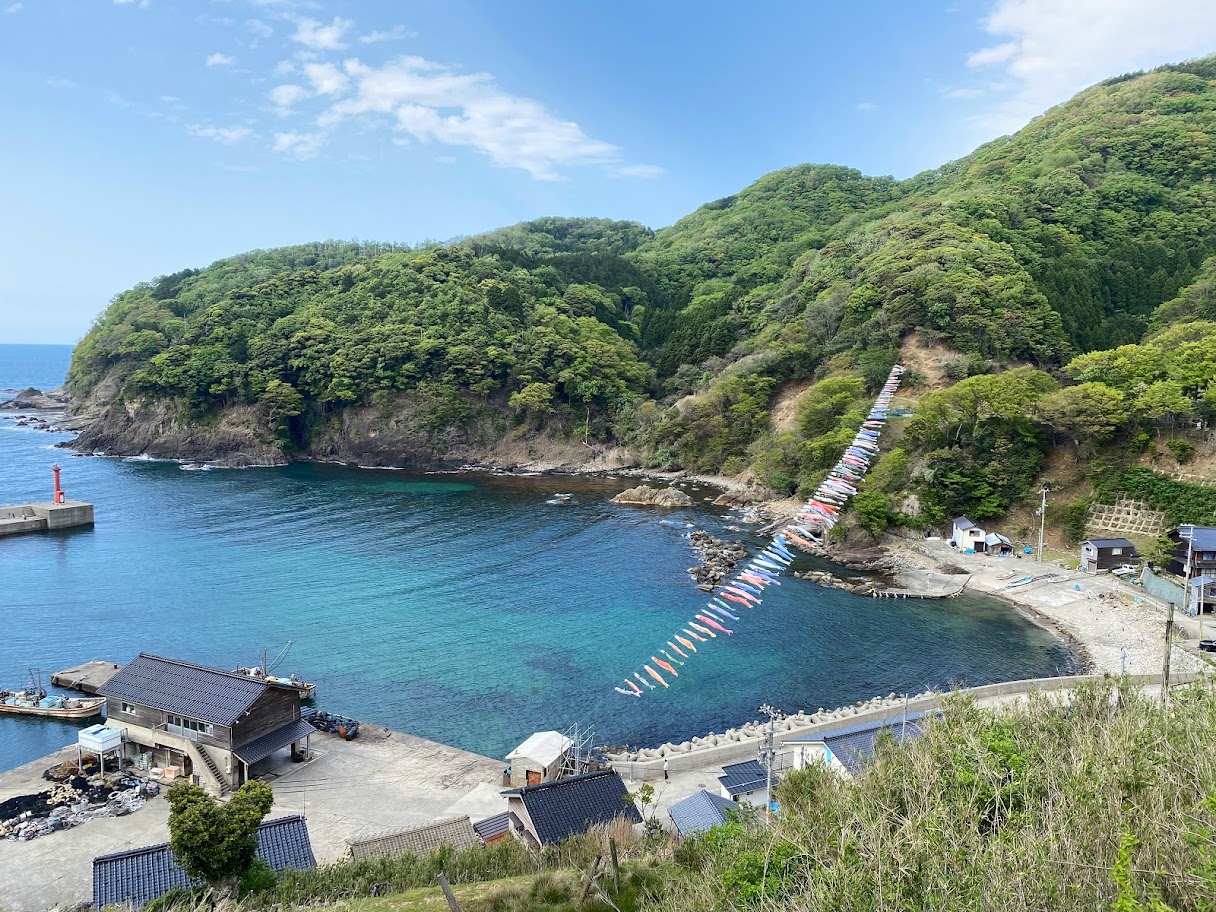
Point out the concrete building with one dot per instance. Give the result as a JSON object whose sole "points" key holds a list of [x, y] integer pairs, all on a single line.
{"points": [[210, 725], [966, 535], [539, 759], [1107, 554]]}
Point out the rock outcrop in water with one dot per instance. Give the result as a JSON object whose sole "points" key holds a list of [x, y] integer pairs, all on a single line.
{"points": [[647, 496], [35, 399], [718, 559]]}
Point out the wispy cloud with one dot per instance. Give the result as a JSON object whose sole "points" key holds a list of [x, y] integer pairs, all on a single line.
{"points": [[963, 93], [642, 171], [866, 106], [259, 28], [298, 145], [58, 82], [218, 59], [396, 33], [426, 101], [1050, 50], [142, 4], [326, 78], [321, 37], [283, 97], [13, 8], [225, 135]]}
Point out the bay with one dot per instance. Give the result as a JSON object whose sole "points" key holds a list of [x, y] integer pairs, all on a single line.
{"points": [[467, 608]]}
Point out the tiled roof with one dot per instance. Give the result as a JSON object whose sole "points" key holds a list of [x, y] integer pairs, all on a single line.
{"points": [[963, 522], [139, 876], [571, 806], [854, 747], [495, 826], [1111, 543], [700, 812], [267, 744], [193, 691], [1203, 538], [420, 840], [743, 777]]}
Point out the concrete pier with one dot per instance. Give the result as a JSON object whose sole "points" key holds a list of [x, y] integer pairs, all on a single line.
{"points": [[45, 516], [87, 678]]}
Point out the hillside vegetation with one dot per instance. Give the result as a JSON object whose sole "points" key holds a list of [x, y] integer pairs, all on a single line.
{"points": [[1064, 270]]}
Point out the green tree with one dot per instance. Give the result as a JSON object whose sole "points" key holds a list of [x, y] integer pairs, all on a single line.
{"points": [[282, 400], [214, 841], [1086, 413]]}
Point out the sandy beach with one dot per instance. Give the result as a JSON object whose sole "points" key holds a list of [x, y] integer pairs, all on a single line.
{"points": [[1114, 625]]}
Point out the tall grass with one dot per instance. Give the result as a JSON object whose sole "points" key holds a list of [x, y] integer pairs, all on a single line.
{"points": [[1108, 803]]}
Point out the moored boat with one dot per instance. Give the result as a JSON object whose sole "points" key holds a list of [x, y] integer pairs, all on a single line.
{"points": [[35, 702]]}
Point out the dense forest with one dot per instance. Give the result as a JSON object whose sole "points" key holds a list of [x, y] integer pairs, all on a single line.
{"points": [[1066, 272]]}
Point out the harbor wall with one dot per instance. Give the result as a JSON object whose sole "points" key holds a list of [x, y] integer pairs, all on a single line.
{"points": [[45, 517]]}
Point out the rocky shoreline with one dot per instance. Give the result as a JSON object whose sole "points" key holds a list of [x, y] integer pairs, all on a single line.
{"points": [[718, 559]]}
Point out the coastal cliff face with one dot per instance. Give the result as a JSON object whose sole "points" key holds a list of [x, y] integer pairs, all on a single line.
{"points": [[394, 437]]}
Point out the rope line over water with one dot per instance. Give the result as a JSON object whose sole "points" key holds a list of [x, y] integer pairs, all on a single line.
{"points": [[746, 589]]}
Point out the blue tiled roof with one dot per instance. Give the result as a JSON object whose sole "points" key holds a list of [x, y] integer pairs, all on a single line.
{"points": [[700, 812], [267, 744], [1203, 538], [568, 807], [1111, 543], [139, 876], [193, 691], [964, 523], [854, 746], [738, 778]]}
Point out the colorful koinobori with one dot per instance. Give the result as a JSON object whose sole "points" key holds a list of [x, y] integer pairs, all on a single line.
{"points": [[745, 590]]}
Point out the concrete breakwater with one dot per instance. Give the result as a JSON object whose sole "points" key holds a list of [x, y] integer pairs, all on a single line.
{"points": [[45, 517]]}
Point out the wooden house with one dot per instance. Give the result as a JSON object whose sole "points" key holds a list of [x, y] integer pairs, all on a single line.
{"points": [[1107, 554], [1201, 552], [967, 536], [553, 811], [207, 724]]}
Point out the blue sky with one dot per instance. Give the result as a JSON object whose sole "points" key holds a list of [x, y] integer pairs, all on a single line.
{"points": [[144, 136]]}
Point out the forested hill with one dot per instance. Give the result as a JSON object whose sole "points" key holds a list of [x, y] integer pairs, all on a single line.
{"points": [[1084, 231]]}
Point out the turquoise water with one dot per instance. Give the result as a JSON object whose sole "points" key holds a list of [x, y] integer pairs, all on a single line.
{"points": [[463, 608]]}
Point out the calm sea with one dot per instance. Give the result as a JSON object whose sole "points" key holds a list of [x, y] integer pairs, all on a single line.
{"points": [[469, 609]]}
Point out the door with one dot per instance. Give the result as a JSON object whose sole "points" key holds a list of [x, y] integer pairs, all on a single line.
{"points": [[533, 777]]}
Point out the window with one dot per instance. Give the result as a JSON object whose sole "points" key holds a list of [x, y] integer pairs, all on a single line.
{"points": [[189, 726], [1116, 551], [128, 709]]}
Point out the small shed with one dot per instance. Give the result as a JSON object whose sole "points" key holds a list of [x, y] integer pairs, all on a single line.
{"points": [[745, 782], [967, 535], [553, 811], [998, 544], [1107, 554], [497, 827], [539, 759], [699, 812]]}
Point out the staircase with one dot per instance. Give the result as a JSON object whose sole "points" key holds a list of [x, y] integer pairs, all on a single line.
{"points": [[200, 755]]}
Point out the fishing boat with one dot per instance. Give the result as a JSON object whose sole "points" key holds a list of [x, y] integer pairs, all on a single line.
{"points": [[34, 701], [263, 672]]}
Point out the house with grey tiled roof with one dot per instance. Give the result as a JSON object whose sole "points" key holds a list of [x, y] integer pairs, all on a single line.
{"points": [[136, 877], [209, 725], [422, 840], [700, 811], [847, 751], [553, 811], [746, 781]]}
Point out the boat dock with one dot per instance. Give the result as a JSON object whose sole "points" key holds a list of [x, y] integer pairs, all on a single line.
{"points": [[925, 584], [87, 678], [46, 516]]}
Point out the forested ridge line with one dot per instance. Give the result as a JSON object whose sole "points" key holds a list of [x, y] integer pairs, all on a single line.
{"points": [[1031, 263]]}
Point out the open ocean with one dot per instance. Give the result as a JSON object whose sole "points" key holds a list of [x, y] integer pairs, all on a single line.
{"points": [[463, 608]]}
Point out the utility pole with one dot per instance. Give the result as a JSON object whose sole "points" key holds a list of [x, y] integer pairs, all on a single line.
{"points": [[1187, 532], [767, 754], [1042, 511]]}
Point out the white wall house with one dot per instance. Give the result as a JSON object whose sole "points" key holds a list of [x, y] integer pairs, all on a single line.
{"points": [[966, 534]]}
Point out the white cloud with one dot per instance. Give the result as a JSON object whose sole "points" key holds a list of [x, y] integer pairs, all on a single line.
{"points": [[326, 78], [142, 4], [642, 171], [225, 135], [321, 37], [429, 102], [284, 96], [58, 82], [259, 28], [1049, 50], [285, 68], [218, 59], [396, 33], [13, 8], [446, 159], [298, 145], [866, 106], [963, 93]]}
